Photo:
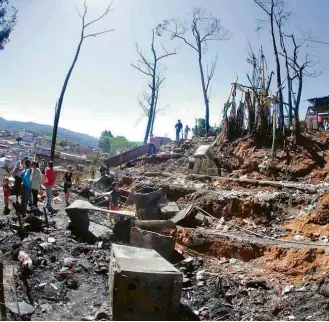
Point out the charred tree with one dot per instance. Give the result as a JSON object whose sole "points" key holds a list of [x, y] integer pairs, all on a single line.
{"points": [[152, 69], [83, 35], [271, 7], [202, 29]]}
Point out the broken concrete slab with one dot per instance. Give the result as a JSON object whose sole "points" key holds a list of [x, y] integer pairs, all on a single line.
{"points": [[101, 232], [165, 227], [143, 285], [204, 151], [169, 210], [164, 245], [147, 202], [103, 183], [24, 308], [87, 206], [183, 214]]}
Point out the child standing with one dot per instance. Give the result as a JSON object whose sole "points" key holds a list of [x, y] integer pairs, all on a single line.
{"points": [[6, 194], [114, 201]]}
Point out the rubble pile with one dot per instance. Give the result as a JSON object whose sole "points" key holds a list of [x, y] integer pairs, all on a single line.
{"points": [[243, 237]]}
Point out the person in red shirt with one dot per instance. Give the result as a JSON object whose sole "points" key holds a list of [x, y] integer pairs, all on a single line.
{"points": [[49, 183], [152, 149], [6, 194]]}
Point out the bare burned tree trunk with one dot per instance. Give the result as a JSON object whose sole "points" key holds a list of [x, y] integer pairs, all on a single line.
{"points": [[270, 7], [205, 94], [278, 73], [203, 28], [153, 70], [83, 36]]}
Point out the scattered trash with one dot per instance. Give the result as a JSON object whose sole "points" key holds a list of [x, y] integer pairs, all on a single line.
{"points": [[25, 259], [287, 289]]}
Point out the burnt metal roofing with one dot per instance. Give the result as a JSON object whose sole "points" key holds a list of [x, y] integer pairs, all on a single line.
{"points": [[319, 100]]}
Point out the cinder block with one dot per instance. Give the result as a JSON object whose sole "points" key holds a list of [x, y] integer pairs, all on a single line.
{"points": [[164, 245], [143, 285]]}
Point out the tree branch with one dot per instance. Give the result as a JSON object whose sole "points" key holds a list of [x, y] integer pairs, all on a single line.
{"points": [[98, 33], [108, 9], [142, 71], [166, 55], [210, 74]]}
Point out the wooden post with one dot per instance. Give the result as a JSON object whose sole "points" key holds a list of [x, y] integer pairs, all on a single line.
{"points": [[3, 315], [274, 130]]}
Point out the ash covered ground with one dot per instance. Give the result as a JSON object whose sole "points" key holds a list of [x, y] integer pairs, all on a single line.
{"points": [[255, 245]]}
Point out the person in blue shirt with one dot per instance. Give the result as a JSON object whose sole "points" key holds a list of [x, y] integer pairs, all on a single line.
{"points": [[26, 186], [178, 127]]}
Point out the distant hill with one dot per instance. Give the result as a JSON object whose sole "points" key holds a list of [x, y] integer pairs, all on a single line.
{"points": [[47, 130]]}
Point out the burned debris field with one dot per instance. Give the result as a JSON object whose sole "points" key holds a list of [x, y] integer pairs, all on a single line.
{"points": [[250, 242]]}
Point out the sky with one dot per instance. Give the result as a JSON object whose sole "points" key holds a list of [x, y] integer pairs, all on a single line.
{"points": [[104, 88]]}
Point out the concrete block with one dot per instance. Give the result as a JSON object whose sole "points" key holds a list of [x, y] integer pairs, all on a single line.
{"points": [[213, 172], [197, 165], [204, 151], [143, 285], [206, 164], [164, 245], [147, 203], [169, 210]]}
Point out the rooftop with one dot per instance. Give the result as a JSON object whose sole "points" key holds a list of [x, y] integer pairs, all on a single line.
{"points": [[320, 103]]}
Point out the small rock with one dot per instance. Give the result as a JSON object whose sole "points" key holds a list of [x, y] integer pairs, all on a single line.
{"points": [[298, 237], [46, 308], [72, 284], [103, 316], [51, 240], [24, 308], [287, 289], [200, 275], [301, 289], [45, 245], [197, 241], [233, 260], [88, 318], [205, 314], [186, 281], [100, 244], [41, 285], [291, 317]]}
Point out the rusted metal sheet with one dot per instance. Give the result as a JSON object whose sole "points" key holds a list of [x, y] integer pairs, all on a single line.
{"points": [[133, 154]]}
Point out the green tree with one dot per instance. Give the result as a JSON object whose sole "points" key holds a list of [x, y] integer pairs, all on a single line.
{"points": [[107, 133], [7, 22], [64, 143]]}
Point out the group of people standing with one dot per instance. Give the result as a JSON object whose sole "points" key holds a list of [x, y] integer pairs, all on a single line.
{"points": [[28, 180], [179, 128]]}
